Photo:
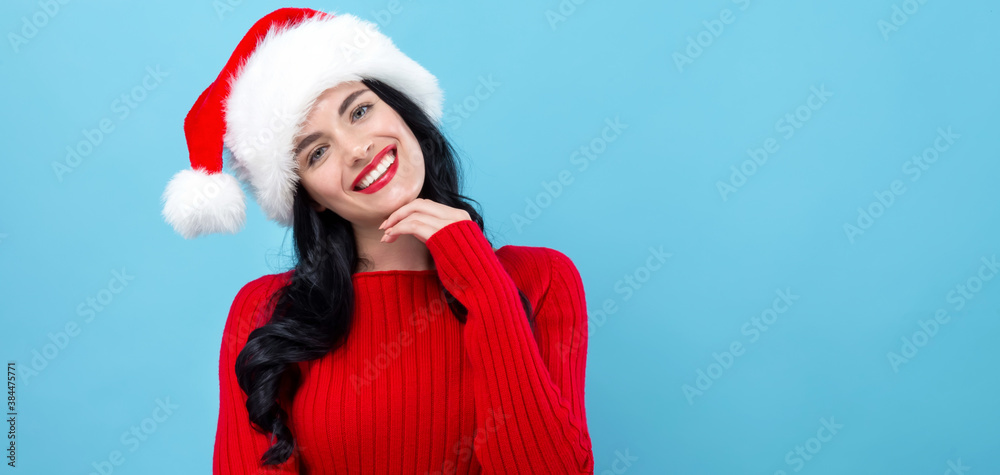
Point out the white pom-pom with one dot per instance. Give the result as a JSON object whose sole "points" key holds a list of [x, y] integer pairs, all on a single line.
{"points": [[196, 203]]}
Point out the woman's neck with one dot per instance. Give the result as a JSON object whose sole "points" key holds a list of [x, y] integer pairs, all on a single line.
{"points": [[405, 253]]}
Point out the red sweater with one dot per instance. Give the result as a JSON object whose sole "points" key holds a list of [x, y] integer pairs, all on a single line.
{"points": [[413, 390]]}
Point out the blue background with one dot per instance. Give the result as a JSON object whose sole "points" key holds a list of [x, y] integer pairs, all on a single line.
{"points": [[654, 184]]}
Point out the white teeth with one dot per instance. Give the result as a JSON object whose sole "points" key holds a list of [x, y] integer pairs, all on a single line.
{"points": [[378, 171]]}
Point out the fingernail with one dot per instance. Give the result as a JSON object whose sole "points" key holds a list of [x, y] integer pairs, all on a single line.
{"points": [[383, 224]]}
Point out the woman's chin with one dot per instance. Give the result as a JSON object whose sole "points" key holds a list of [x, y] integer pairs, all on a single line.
{"points": [[395, 193]]}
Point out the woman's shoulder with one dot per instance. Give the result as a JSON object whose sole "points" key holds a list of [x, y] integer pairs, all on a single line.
{"points": [[251, 301], [531, 256], [265, 283], [533, 267]]}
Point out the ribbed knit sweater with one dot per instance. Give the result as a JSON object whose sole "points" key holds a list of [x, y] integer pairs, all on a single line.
{"points": [[413, 390]]}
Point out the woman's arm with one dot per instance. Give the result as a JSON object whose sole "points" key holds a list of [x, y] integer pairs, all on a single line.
{"points": [[238, 447], [529, 409]]}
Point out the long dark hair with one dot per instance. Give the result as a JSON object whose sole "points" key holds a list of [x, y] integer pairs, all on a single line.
{"points": [[313, 312]]}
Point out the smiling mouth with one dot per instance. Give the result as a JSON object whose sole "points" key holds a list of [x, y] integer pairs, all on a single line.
{"points": [[377, 169]]}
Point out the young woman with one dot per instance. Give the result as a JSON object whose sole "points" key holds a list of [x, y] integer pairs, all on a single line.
{"points": [[401, 341]]}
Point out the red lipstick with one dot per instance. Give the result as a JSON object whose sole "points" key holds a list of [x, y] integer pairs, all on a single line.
{"points": [[382, 180]]}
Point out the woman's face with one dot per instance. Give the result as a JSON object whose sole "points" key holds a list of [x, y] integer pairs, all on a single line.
{"points": [[348, 129]]}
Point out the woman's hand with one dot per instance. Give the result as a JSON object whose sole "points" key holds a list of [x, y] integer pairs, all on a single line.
{"points": [[421, 218]]}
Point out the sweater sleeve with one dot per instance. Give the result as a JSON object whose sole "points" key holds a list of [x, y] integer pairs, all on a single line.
{"points": [[528, 421], [238, 447]]}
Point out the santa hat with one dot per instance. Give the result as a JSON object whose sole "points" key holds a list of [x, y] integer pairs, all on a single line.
{"points": [[256, 105]]}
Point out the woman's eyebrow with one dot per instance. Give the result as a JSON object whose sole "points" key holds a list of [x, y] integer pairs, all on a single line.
{"points": [[305, 142], [347, 100]]}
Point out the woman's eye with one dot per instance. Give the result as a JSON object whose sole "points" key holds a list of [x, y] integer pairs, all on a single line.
{"points": [[355, 115], [316, 154]]}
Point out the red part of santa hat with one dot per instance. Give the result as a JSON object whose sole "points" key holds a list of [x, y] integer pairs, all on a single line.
{"points": [[258, 102]]}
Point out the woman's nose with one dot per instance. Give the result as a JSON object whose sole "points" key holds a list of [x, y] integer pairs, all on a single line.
{"points": [[359, 153]]}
